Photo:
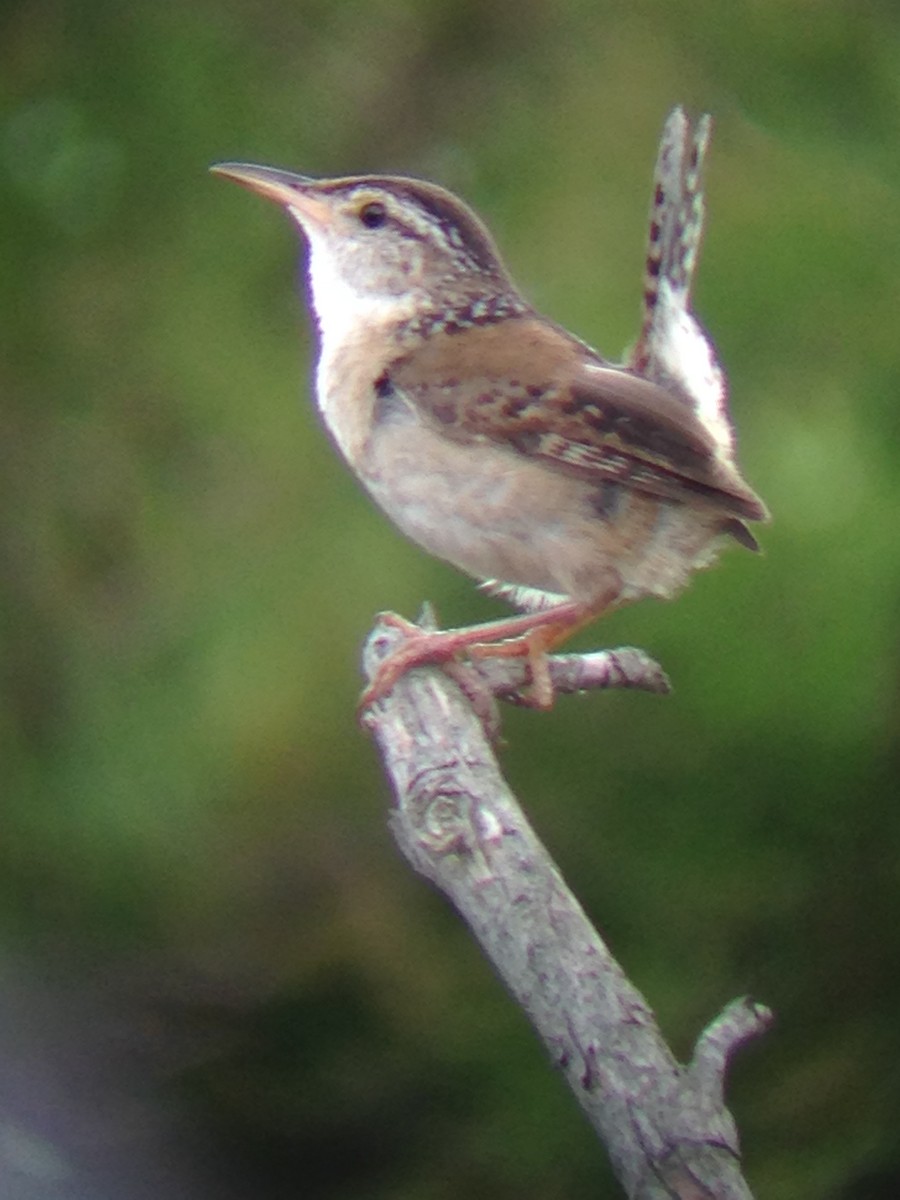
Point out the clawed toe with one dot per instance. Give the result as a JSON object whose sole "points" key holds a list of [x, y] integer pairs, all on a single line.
{"points": [[528, 636], [419, 649]]}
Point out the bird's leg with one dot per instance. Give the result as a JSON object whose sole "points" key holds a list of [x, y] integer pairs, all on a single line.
{"points": [[423, 646], [530, 635], [536, 645]]}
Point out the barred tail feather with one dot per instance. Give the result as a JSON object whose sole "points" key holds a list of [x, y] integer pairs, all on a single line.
{"points": [[673, 348]]}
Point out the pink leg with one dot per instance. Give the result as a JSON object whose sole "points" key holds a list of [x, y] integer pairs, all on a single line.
{"points": [[530, 634]]}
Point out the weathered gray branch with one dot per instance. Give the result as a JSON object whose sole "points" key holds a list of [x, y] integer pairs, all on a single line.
{"points": [[664, 1124]]}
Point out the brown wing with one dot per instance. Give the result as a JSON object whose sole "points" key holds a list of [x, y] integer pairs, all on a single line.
{"points": [[546, 395]]}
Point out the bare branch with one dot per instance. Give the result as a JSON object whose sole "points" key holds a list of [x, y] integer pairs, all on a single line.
{"points": [[625, 667], [664, 1125]]}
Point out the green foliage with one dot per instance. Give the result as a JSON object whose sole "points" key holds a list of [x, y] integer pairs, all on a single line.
{"points": [[188, 573]]}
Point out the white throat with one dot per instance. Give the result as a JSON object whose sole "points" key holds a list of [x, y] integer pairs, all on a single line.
{"points": [[341, 310], [347, 319]]}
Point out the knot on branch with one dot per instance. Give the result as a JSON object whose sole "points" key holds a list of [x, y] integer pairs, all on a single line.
{"points": [[440, 818]]}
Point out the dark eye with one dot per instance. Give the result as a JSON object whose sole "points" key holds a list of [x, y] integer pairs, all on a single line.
{"points": [[373, 215]]}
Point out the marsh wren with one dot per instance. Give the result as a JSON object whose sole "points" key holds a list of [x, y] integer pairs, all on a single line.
{"points": [[498, 441]]}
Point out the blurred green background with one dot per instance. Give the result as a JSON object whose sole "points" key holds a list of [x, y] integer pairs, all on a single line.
{"points": [[217, 977]]}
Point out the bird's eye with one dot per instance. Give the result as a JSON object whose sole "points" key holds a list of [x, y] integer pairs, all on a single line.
{"points": [[373, 215]]}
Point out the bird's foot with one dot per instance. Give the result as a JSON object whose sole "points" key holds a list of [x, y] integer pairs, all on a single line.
{"points": [[527, 636]]}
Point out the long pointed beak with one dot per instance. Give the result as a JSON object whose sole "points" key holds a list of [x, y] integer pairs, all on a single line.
{"points": [[295, 192]]}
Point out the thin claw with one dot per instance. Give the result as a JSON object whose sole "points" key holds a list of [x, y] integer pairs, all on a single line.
{"points": [[395, 621], [419, 649], [474, 687]]}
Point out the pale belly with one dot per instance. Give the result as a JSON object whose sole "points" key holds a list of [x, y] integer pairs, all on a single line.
{"points": [[498, 516]]}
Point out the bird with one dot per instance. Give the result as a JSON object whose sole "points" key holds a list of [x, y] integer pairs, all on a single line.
{"points": [[565, 483]]}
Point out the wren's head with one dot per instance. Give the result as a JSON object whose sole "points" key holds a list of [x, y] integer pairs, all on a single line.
{"points": [[386, 248]]}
